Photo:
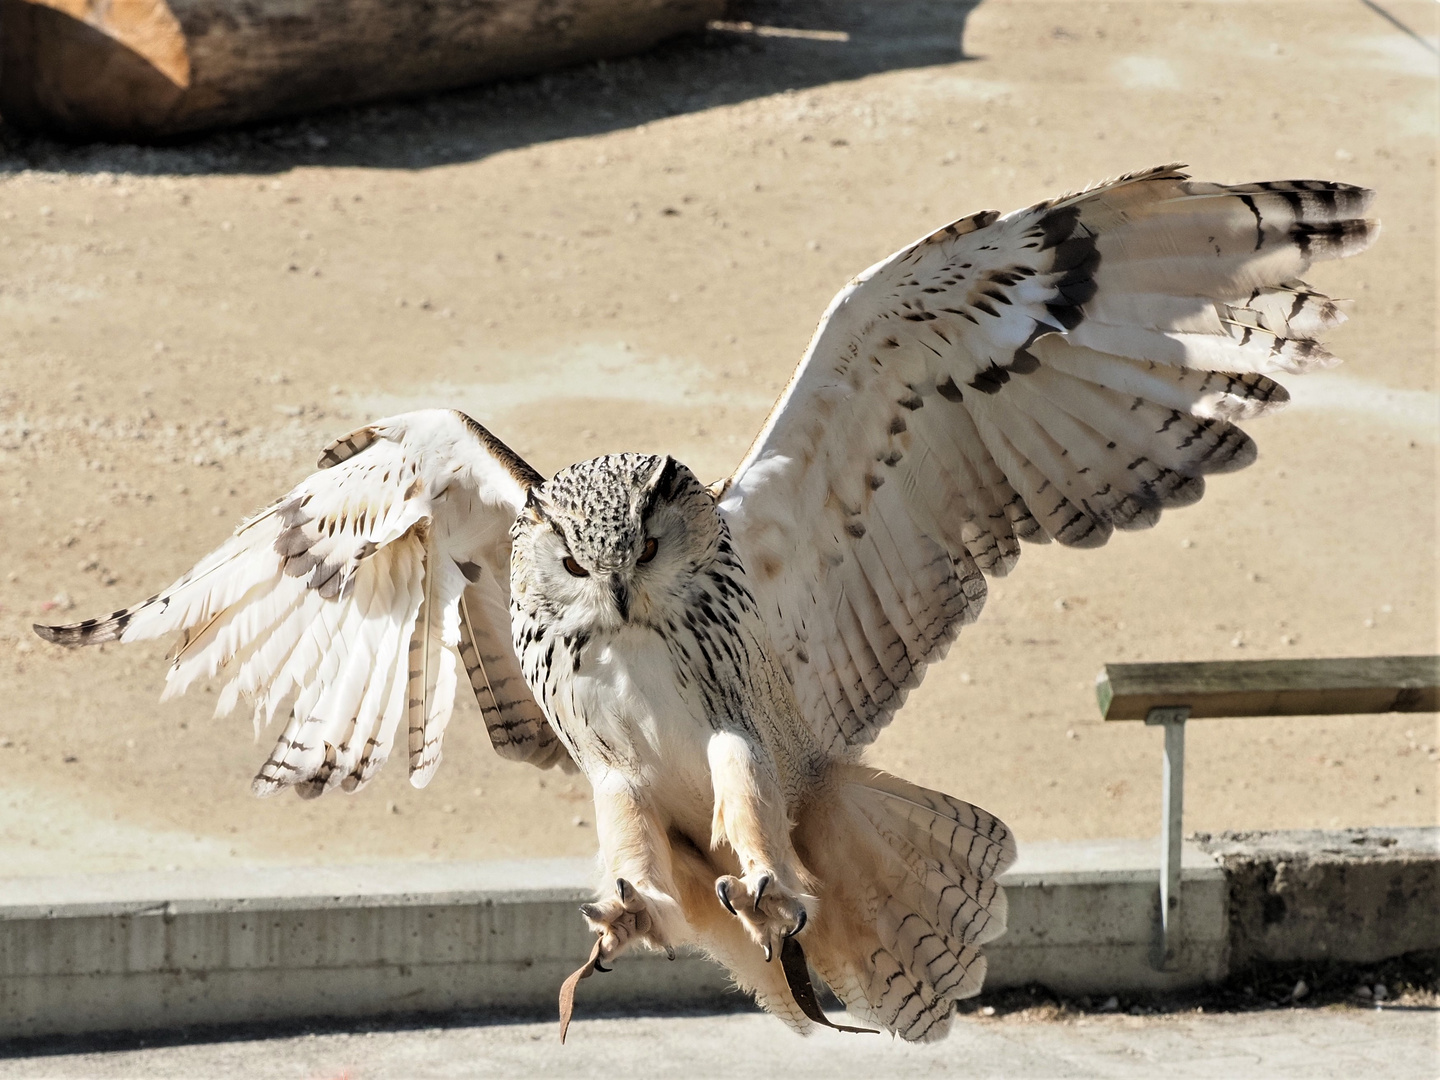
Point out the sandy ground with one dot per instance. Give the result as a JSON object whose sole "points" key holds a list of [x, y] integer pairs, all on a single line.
{"points": [[1397, 1043], [632, 256]]}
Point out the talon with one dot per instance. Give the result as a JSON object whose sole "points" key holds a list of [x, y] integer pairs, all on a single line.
{"points": [[760, 888], [669, 953], [722, 890], [800, 922], [590, 911], [623, 888], [769, 952], [602, 968]]}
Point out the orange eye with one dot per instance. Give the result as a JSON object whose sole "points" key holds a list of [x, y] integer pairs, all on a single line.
{"points": [[651, 547], [574, 568]]}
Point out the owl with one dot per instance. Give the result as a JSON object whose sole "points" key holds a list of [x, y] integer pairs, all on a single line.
{"points": [[715, 658]]}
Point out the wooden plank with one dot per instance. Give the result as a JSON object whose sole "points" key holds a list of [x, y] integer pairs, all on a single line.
{"points": [[1347, 686], [153, 69]]}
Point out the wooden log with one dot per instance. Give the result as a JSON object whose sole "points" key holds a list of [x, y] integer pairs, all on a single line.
{"points": [[146, 70], [1348, 686]]}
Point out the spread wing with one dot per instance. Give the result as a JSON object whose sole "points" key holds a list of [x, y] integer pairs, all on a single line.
{"points": [[1056, 373], [351, 604]]}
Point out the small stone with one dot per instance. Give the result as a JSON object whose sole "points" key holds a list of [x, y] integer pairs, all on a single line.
{"points": [[1301, 991], [1110, 1004], [988, 1010], [1062, 604], [391, 808], [1362, 992], [1369, 624], [1381, 992], [1344, 155], [1070, 734], [1238, 641], [1187, 543], [579, 822], [966, 678], [6, 742], [447, 809]]}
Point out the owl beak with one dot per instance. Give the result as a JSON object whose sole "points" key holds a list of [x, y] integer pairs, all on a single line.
{"points": [[620, 592]]}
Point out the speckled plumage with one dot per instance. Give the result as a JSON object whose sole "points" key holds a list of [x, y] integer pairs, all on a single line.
{"points": [[716, 659]]}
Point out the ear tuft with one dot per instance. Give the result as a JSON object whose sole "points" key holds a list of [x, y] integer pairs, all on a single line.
{"points": [[662, 483]]}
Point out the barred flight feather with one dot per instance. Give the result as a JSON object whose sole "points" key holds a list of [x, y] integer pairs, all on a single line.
{"points": [[1053, 373]]}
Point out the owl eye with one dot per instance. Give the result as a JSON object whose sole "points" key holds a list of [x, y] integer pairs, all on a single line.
{"points": [[651, 547], [574, 568]]}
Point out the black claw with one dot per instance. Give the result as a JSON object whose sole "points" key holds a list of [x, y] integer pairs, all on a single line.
{"points": [[602, 968], [760, 887], [669, 953], [769, 952], [622, 887], [722, 890], [590, 911], [799, 923]]}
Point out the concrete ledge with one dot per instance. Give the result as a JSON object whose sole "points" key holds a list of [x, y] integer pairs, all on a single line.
{"points": [[1084, 918], [153, 950], [1356, 895]]}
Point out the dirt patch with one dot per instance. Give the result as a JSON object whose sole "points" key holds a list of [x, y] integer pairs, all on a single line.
{"points": [[633, 256]]}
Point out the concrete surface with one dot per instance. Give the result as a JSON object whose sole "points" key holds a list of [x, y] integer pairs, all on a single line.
{"points": [[142, 951], [1343, 1043], [151, 950], [1353, 895]]}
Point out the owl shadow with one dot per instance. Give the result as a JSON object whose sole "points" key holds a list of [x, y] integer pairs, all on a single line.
{"points": [[837, 40]]}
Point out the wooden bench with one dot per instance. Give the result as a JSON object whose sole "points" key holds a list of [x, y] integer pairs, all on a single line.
{"points": [[1167, 695]]}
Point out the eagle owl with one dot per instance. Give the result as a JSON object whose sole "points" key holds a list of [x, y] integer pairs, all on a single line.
{"points": [[715, 659]]}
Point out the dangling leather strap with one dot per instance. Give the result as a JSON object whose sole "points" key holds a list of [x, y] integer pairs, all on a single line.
{"points": [[797, 975], [567, 988]]}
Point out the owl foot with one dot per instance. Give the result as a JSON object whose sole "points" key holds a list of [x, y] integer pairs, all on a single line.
{"points": [[623, 920], [770, 912]]}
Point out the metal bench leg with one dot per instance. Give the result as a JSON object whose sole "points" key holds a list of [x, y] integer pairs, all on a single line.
{"points": [[1172, 804]]}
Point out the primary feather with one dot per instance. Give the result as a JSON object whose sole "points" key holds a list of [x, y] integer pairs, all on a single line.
{"points": [[1056, 373]]}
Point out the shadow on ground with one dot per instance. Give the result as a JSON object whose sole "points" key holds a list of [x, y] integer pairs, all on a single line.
{"points": [[848, 39]]}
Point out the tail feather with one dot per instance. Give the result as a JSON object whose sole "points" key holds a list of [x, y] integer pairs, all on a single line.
{"points": [[906, 880]]}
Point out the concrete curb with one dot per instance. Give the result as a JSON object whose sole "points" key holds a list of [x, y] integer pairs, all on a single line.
{"points": [[153, 950]]}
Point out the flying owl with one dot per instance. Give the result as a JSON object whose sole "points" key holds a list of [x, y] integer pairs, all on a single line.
{"points": [[716, 658]]}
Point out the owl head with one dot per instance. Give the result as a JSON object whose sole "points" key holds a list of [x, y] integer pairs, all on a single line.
{"points": [[613, 540]]}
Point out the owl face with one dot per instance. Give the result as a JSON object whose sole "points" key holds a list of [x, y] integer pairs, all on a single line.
{"points": [[613, 541]]}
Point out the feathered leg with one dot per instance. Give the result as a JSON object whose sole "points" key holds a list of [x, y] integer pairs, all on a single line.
{"points": [[769, 897], [637, 859]]}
